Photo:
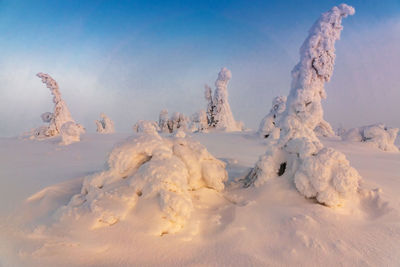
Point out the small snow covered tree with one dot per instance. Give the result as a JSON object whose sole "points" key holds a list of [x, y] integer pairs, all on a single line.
{"points": [[318, 172], [60, 115], [105, 125], [163, 121], [268, 127], [219, 113], [199, 122], [143, 126], [377, 134]]}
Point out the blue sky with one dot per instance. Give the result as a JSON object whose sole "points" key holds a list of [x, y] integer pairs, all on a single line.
{"points": [[130, 59]]}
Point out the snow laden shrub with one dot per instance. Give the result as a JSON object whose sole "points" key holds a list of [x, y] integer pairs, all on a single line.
{"points": [[324, 129], [144, 126], [105, 125], [198, 122], [268, 127], [59, 117], [378, 135], [149, 172], [178, 121], [219, 114], [70, 133], [318, 172]]}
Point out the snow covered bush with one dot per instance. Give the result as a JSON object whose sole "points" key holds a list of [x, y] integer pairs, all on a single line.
{"points": [[219, 112], [324, 129], [377, 134], [318, 172], [149, 172], [105, 125], [198, 122], [59, 117], [71, 132], [178, 121], [163, 121], [143, 126], [268, 126]]}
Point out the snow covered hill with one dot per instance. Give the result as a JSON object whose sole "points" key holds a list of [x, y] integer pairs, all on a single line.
{"points": [[269, 225]]}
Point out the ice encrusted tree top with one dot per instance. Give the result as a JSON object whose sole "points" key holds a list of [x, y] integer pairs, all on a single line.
{"points": [[317, 58]]}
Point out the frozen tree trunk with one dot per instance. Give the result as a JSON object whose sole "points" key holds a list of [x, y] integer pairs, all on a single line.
{"points": [[219, 113], [105, 125], [318, 172]]}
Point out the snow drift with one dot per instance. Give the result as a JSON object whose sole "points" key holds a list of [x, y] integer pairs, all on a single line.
{"points": [[145, 169], [377, 134], [318, 172], [60, 121], [105, 125]]}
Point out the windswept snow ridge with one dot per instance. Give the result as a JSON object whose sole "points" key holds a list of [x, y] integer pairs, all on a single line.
{"points": [[59, 117], [148, 168], [105, 125], [318, 172], [377, 134]]}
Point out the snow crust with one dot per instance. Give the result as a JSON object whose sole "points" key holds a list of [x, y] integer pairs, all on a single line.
{"points": [[219, 112], [377, 135], [60, 116], [146, 168], [105, 125], [318, 172]]}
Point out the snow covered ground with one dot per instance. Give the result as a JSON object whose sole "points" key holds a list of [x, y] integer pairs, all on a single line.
{"points": [[270, 225]]}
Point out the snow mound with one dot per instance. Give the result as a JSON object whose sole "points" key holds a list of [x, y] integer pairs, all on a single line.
{"points": [[58, 118], [378, 135], [318, 172], [105, 125], [148, 169]]}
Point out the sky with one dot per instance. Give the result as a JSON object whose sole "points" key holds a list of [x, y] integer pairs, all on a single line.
{"points": [[131, 59]]}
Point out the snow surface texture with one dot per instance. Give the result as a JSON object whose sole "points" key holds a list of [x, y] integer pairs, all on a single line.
{"points": [[105, 125], [377, 134], [318, 172], [218, 110], [145, 168], [59, 117]]}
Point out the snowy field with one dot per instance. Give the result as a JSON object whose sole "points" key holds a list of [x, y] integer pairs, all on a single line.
{"points": [[272, 224]]}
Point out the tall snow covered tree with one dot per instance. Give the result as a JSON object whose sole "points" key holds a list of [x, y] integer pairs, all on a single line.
{"points": [[219, 114], [60, 115], [318, 172]]}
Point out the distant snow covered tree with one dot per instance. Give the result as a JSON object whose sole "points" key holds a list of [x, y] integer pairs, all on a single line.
{"points": [[163, 121], [377, 134], [144, 126], [318, 172], [71, 133], [324, 129], [219, 113], [60, 115], [268, 126], [105, 125], [199, 122]]}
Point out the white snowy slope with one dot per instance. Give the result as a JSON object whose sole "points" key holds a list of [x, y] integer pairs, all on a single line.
{"points": [[259, 226]]}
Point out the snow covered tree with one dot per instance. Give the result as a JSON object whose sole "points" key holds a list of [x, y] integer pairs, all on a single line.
{"points": [[199, 122], [318, 172], [105, 125], [219, 113], [378, 135], [163, 121], [144, 126], [60, 115], [268, 126]]}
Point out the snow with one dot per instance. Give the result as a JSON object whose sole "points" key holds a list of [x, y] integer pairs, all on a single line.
{"points": [[320, 173], [267, 225], [70, 133], [377, 135], [105, 125]]}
